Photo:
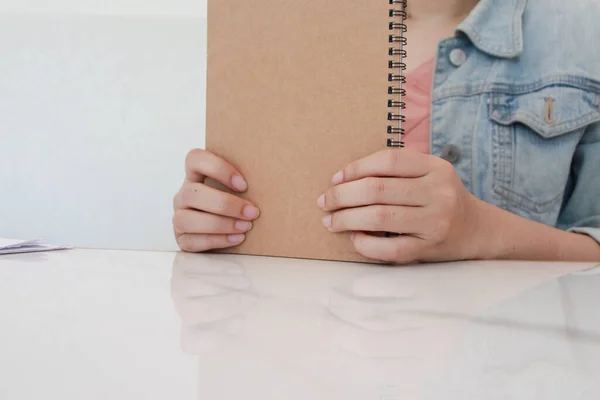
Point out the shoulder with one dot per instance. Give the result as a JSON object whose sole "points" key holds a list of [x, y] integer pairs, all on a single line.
{"points": [[563, 35], [572, 13]]}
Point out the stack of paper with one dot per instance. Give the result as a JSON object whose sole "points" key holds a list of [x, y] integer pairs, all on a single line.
{"points": [[13, 246]]}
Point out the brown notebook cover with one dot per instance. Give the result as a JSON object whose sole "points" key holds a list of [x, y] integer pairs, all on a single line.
{"points": [[296, 91]]}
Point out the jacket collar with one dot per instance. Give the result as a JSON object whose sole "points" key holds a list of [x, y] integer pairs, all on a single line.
{"points": [[496, 27]]}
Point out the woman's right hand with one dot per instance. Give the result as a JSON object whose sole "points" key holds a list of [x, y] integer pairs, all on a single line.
{"points": [[206, 218]]}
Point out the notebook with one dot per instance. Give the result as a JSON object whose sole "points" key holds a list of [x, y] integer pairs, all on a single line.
{"points": [[296, 90]]}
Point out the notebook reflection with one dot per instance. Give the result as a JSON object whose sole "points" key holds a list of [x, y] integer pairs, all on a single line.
{"points": [[273, 329]]}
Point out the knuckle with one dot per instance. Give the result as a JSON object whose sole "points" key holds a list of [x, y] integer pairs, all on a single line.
{"points": [[215, 241], [362, 249], [342, 221], [216, 225], [187, 243], [337, 222], [179, 221], [392, 158], [177, 200], [377, 186], [439, 228], [382, 215], [448, 196], [350, 171], [223, 205], [443, 166], [401, 255], [332, 198], [194, 155], [187, 196]]}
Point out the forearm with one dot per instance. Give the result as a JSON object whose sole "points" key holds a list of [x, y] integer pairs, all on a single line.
{"points": [[507, 236]]}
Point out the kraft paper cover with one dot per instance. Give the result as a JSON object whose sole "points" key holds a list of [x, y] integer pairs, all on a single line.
{"points": [[296, 91]]}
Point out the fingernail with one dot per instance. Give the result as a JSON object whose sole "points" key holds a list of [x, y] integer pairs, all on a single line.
{"points": [[243, 226], [327, 221], [239, 183], [352, 236], [251, 212], [338, 178], [321, 201], [236, 238]]}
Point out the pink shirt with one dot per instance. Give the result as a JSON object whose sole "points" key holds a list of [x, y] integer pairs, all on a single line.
{"points": [[418, 107]]}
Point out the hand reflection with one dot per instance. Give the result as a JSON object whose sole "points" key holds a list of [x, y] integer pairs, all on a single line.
{"points": [[544, 343], [211, 295], [392, 333], [402, 325]]}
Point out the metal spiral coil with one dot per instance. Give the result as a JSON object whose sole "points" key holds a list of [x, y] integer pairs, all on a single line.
{"points": [[397, 78]]}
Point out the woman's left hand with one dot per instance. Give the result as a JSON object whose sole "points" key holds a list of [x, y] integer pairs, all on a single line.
{"points": [[416, 195]]}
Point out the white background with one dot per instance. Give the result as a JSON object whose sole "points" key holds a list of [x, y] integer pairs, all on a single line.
{"points": [[188, 8], [99, 103]]}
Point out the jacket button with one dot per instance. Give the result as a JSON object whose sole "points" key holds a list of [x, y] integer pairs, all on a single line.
{"points": [[451, 154], [458, 57]]}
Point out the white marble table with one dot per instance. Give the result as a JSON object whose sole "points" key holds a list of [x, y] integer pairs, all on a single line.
{"points": [[90, 324]]}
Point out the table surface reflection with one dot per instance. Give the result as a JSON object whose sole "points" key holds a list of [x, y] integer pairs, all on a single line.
{"points": [[93, 324]]}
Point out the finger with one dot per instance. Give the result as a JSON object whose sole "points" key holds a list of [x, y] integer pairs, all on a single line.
{"points": [[200, 164], [393, 162], [198, 196], [197, 243], [192, 221], [404, 220], [400, 250], [367, 191]]}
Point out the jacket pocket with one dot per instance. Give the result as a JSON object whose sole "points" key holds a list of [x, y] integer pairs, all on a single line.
{"points": [[534, 137]]}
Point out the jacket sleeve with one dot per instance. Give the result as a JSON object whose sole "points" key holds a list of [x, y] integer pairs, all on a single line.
{"points": [[581, 209]]}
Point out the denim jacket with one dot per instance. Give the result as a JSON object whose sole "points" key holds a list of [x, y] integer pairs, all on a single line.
{"points": [[516, 109]]}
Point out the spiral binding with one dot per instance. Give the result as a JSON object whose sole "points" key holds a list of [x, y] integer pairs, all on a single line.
{"points": [[396, 77]]}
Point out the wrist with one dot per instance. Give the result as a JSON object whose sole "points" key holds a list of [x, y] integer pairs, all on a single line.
{"points": [[496, 234], [484, 241]]}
